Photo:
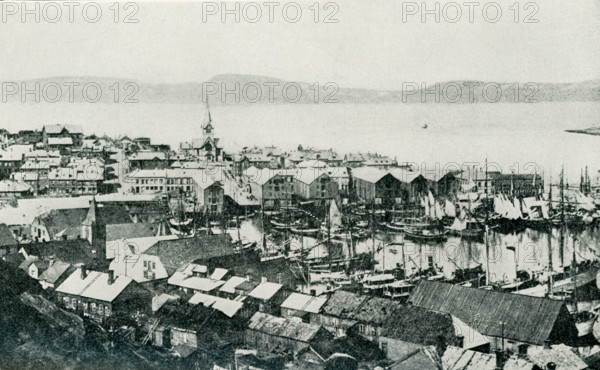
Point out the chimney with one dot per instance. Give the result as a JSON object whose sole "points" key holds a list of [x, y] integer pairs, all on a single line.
{"points": [[263, 279], [551, 366], [83, 272], [523, 349], [547, 344], [461, 341], [111, 277], [499, 360]]}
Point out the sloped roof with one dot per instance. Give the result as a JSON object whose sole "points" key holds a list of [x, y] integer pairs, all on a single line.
{"points": [[375, 311], [71, 251], [128, 230], [561, 355], [6, 236], [455, 358], [57, 129], [54, 271], [265, 290], [369, 174], [418, 325], [8, 186], [146, 156], [60, 141], [227, 306], [526, 319], [94, 286], [425, 358], [174, 254], [281, 327], [343, 304], [59, 220], [183, 280], [231, 284], [304, 302], [308, 175]]}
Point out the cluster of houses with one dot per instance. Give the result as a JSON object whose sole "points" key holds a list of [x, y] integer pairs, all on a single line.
{"points": [[201, 299]]}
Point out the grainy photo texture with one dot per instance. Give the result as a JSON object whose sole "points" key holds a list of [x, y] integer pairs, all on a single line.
{"points": [[319, 185]]}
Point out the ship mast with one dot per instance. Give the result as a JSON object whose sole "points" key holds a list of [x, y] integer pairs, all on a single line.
{"points": [[550, 269], [562, 216], [487, 244]]}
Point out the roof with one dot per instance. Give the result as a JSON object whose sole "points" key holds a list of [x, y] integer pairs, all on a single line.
{"points": [[176, 253], [369, 174], [147, 156], [227, 306], [183, 280], [418, 325], [6, 236], [24, 176], [71, 251], [525, 319], [563, 356], [231, 284], [282, 327], [55, 270], [375, 311], [8, 186], [308, 175], [265, 290], [94, 286], [304, 302], [57, 129], [343, 303], [425, 358], [129, 230], [463, 359], [219, 273], [60, 141], [247, 286], [65, 221]]}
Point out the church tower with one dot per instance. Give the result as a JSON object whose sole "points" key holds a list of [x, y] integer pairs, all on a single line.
{"points": [[207, 126]]}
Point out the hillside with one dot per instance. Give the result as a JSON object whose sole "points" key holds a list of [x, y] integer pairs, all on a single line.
{"points": [[114, 90]]}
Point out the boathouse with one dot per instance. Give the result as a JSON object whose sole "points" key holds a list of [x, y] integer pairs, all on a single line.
{"points": [[506, 318]]}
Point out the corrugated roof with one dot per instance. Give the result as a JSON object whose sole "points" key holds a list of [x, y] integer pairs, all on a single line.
{"points": [[418, 325], [304, 302], [282, 327], [265, 291], [526, 319], [343, 304]]}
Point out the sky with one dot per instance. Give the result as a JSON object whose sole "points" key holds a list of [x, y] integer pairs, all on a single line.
{"points": [[370, 46]]}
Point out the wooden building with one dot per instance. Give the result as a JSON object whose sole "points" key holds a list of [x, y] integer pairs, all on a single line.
{"points": [[266, 333], [101, 295], [514, 319]]}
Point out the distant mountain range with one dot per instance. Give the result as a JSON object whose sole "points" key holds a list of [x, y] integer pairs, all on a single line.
{"points": [[268, 90]]}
